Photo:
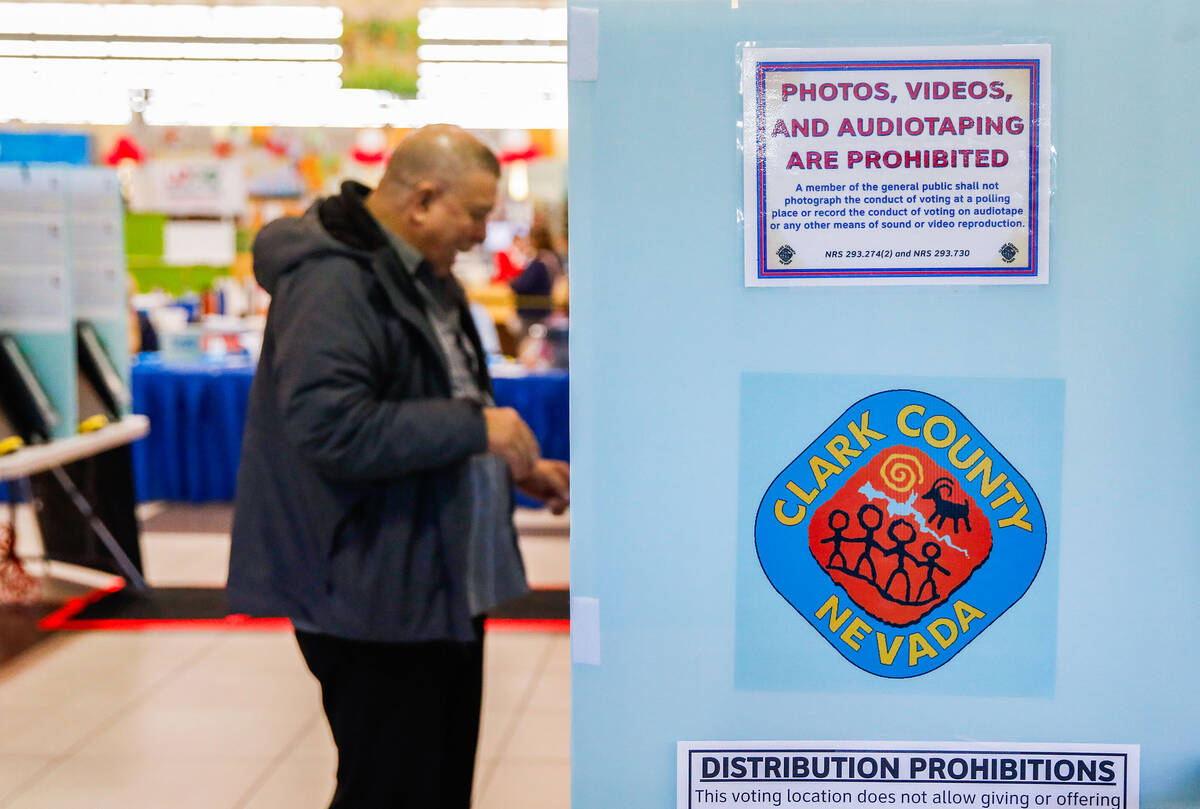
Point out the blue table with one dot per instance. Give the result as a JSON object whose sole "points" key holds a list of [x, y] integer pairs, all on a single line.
{"points": [[543, 400], [197, 412]]}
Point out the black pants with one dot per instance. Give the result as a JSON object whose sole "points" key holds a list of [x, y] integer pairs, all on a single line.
{"points": [[404, 716]]}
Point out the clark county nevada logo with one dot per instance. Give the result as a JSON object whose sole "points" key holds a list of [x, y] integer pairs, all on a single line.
{"points": [[900, 533]]}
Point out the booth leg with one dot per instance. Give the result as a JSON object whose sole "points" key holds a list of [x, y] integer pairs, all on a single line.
{"points": [[133, 577]]}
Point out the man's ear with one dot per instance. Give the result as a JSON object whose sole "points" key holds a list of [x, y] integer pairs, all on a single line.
{"points": [[424, 194]]}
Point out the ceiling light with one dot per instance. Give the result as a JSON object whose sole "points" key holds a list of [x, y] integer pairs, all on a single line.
{"points": [[191, 21], [494, 73], [101, 49], [354, 109], [126, 74], [492, 53], [483, 80], [297, 108], [486, 24], [518, 181], [42, 105]]}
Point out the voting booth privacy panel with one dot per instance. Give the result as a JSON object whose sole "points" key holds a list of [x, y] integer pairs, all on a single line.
{"points": [[63, 265], [64, 358], [885, 404]]}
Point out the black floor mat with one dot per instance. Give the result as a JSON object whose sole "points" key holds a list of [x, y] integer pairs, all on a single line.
{"points": [[205, 603], [537, 605], [158, 604]]}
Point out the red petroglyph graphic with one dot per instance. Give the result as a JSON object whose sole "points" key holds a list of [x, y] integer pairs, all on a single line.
{"points": [[900, 536]]}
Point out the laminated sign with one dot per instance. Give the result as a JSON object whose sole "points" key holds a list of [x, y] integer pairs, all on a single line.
{"points": [[896, 165], [900, 533]]}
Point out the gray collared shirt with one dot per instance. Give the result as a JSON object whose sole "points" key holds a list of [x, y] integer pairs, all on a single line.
{"points": [[441, 306]]}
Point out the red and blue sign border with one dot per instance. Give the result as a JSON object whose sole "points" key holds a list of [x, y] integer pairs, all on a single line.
{"points": [[1028, 271]]}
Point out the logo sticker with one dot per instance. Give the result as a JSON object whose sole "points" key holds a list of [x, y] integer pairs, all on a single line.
{"points": [[900, 533]]}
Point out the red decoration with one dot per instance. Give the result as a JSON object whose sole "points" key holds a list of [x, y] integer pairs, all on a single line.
{"points": [[512, 156], [506, 268], [126, 148], [17, 586], [370, 158]]}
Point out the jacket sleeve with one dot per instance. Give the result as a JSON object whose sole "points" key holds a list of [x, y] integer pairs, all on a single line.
{"points": [[329, 371]]}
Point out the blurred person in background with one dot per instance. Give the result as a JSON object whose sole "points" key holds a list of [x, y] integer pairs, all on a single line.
{"points": [[142, 335], [375, 464], [533, 287]]}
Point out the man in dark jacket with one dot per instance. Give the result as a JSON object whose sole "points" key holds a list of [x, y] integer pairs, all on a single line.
{"points": [[375, 463]]}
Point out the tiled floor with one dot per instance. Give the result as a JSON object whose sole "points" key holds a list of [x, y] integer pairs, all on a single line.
{"points": [[177, 719]]}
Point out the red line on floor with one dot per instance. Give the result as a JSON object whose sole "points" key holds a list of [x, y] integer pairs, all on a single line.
{"points": [[235, 623], [63, 619], [74, 606], [527, 625], [232, 623]]}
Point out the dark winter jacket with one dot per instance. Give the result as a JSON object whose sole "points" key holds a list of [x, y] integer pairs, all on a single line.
{"points": [[352, 511]]}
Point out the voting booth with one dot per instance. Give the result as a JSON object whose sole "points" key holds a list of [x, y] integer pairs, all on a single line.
{"points": [[885, 401], [65, 408]]}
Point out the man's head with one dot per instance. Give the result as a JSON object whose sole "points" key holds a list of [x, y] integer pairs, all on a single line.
{"points": [[437, 192]]}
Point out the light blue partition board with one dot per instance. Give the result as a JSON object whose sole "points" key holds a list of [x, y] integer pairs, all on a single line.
{"points": [[36, 300], [691, 392], [97, 233]]}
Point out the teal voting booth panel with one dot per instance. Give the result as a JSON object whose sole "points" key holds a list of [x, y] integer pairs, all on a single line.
{"points": [[63, 262], [36, 289], [702, 595], [101, 276]]}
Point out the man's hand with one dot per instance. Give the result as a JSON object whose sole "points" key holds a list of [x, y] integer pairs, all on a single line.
{"points": [[550, 481], [510, 438]]}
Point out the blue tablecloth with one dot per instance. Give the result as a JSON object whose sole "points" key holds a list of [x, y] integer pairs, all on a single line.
{"points": [[196, 415], [197, 412]]}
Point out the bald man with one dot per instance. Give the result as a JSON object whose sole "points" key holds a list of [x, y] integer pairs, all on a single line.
{"points": [[376, 468]]}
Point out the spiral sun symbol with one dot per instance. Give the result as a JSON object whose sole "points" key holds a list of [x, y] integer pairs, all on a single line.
{"points": [[901, 472]]}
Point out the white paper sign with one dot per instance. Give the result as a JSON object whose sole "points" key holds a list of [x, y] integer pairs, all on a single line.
{"points": [[97, 245], [94, 191], [188, 242], [35, 291], [190, 187], [101, 288], [896, 165], [32, 189], [852, 775], [34, 298]]}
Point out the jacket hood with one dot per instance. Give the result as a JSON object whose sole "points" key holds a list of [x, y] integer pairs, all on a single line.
{"points": [[283, 244], [339, 225]]}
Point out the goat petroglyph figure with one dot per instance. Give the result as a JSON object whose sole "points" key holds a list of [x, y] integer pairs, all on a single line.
{"points": [[944, 508]]}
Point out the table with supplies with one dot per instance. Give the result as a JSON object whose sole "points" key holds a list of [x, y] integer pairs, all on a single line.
{"points": [[198, 411]]}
